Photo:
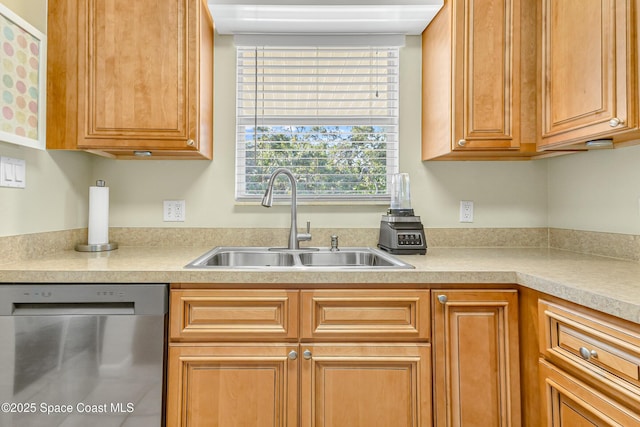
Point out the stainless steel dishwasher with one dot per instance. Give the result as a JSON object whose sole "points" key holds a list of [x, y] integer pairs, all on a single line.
{"points": [[82, 355]]}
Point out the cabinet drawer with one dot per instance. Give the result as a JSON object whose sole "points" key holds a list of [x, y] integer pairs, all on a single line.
{"points": [[365, 315], [568, 402], [233, 315], [607, 353]]}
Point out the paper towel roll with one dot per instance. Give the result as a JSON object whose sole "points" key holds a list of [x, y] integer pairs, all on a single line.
{"points": [[98, 214]]}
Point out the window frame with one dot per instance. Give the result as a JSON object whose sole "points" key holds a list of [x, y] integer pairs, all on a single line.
{"points": [[391, 122]]}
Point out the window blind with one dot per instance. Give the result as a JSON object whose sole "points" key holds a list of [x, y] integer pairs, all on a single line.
{"points": [[330, 115]]}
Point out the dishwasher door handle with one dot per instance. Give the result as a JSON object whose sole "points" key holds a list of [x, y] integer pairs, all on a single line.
{"points": [[69, 309]]}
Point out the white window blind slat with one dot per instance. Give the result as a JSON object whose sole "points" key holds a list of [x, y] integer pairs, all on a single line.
{"points": [[328, 114]]}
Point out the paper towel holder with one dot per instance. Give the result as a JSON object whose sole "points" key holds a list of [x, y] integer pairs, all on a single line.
{"points": [[100, 247]]}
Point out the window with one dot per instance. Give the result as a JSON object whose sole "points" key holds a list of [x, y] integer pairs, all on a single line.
{"points": [[330, 115]]}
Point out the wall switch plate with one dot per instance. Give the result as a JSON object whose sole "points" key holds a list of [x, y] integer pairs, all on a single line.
{"points": [[174, 210], [466, 211], [13, 172]]}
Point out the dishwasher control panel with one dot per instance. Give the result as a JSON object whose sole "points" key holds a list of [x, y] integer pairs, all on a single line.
{"points": [[140, 298]]}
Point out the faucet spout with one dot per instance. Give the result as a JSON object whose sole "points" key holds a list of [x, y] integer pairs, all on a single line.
{"points": [[267, 201]]}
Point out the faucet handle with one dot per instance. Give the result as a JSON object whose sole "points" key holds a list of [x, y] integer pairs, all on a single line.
{"points": [[305, 236]]}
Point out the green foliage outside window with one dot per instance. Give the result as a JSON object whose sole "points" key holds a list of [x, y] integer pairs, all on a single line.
{"points": [[326, 160]]}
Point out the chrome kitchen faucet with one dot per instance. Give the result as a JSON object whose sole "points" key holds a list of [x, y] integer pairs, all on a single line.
{"points": [[267, 200]]}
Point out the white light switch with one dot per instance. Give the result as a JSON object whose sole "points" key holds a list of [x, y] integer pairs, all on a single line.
{"points": [[13, 172], [19, 172]]}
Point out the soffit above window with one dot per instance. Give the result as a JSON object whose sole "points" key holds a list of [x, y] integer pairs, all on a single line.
{"points": [[408, 17]]}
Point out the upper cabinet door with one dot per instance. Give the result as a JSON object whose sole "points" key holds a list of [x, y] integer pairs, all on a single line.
{"points": [[136, 70], [588, 72], [131, 76], [478, 68], [486, 72]]}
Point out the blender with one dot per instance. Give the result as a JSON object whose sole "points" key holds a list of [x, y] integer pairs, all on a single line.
{"points": [[401, 231]]}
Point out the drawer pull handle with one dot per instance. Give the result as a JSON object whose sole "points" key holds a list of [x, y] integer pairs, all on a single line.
{"points": [[442, 299], [306, 354], [293, 355], [587, 354]]}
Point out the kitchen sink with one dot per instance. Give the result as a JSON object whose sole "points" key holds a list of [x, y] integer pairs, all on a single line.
{"points": [[352, 258], [249, 257]]}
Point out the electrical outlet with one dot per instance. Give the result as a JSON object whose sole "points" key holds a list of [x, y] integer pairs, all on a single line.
{"points": [[174, 210], [466, 211]]}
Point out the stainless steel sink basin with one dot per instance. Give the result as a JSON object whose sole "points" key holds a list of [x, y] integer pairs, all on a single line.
{"points": [[269, 258], [351, 258], [243, 258]]}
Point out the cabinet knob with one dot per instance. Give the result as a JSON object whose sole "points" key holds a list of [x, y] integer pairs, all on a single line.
{"points": [[293, 355], [615, 122], [442, 299], [587, 354], [191, 143], [307, 354], [462, 143]]}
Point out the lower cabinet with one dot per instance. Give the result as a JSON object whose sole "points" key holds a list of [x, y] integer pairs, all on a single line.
{"points": [[366, 385], [232, 386], [569, 402], [396, 358], [329, 385], [346, 368], [589, 367], [476, 358]]}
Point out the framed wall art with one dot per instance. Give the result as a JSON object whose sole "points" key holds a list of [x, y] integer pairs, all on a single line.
{"points": [[23, 62]]}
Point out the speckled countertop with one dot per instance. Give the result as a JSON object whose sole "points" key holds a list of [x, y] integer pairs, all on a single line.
{"points": [[605, 284]]}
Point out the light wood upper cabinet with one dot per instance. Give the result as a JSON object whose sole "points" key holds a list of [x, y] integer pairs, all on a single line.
{"points": [[589, 81], [478, 67], [128, 77], [476, 358]]}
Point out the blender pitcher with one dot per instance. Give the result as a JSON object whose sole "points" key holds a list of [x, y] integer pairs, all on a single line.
{"points": [[400, 192]]}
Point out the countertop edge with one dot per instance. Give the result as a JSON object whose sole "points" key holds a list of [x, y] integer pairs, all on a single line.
{"points": [[608, 285]]}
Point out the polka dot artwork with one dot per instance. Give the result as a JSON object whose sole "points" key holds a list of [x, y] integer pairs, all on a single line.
{"points": [[19, 68]]}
